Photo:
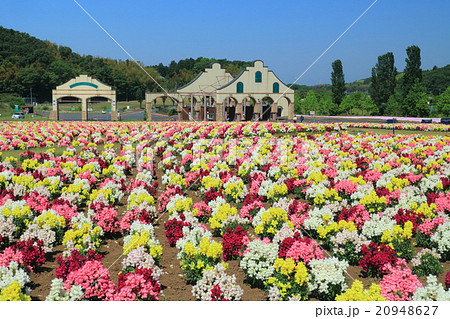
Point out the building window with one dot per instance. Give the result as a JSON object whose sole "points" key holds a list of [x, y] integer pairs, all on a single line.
{"points": [[240, 87], [276, 87], [258, 77]]}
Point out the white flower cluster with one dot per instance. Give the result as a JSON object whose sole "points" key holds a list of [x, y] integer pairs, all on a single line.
{"points": [[7, 227], [45, 233], [146, 176], [316, 217], [441, 238], [191, 234], [327, 272], [58, 293], [258, 262], [227, 284], [345, 236], [139, 258], [216, 204], [265, 187], [14, 273], [433, 291], [377, 225]]}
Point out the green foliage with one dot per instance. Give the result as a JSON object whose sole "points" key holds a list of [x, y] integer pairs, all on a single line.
{"points": [[429, 265], [412, 72], [11, 100], [358, 101], [337, 82], [383, 79], [172, 112], [437, 80], [443, 103], [416, 102], [394, 106], [310, 102]]}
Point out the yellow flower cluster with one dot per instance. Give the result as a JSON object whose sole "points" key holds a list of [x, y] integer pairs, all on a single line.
{"points": [[397, 183], [373, 203], [329, 194], [211, 182], [51, 219], [207, 247], [222, 213], [81, 232], [290, 279], [51, 185], [77, 189], [347, 165], [271, 221], [234, 190], [428, 210], [13, 292], [277, 191], [143, 239], [289, 267], [336, 227], [17, 212], [88, 167], [358, 293], [316, 177], [134, 200], [177, 179], [398, 233], [26, 180], [182, 204], [29, 165]]}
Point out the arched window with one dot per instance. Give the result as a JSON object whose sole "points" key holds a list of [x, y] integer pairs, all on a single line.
{"points": [[240, 87], [258, 77], [276, 87]]}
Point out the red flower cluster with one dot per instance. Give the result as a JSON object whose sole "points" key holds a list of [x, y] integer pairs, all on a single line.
{"points": [[217, 294], [300, 249], [74, 262], [139, 285], [375, 258], [211, 195], [357, 214], [174, 229], [105, 216], [233, 242], [403, 216], [32, 253], [447, 280]]}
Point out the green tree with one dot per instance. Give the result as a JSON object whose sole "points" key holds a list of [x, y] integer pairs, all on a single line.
{"points": [[337, 82], [394, 106], [416, 102], [310, 102], [297, 103], [443, 103], [358, 101], [327, 107], [382, 84], [412, 72]]}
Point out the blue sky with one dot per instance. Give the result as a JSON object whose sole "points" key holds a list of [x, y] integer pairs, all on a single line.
{"points": [[287, 35]]}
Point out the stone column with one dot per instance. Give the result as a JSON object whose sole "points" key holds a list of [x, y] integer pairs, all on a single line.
{"points": [[84, 111], [198, 110], [148, 108], [257, 111], [54, 114], [179, 110], [219, 112], [239, 112], [274, 111], [291, 112]]}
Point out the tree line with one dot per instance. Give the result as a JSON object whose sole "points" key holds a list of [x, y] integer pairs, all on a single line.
{"points": [[412, 93], [32, 67]]}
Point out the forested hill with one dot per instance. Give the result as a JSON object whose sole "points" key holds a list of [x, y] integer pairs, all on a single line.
{"points": [[29, 63]]}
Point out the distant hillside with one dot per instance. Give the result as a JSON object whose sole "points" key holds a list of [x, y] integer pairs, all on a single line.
{"points": [[435, 81]]}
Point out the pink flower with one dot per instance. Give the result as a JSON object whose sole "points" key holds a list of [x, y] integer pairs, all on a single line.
{"points": [[400, 284]]}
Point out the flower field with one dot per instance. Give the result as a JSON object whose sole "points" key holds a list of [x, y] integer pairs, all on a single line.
{"points": [[223, 211]]}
